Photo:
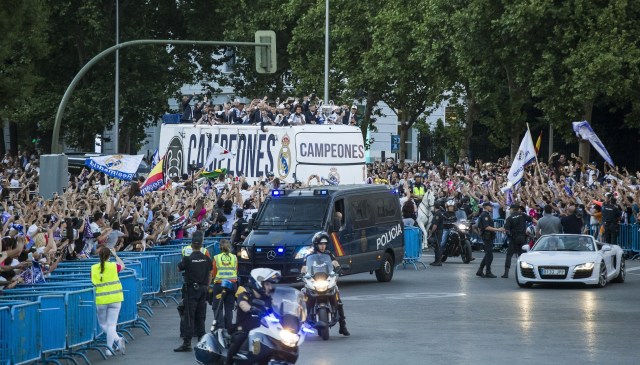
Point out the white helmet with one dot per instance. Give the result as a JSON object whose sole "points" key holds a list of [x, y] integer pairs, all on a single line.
{"points": [[450, 203], [260, 275]]}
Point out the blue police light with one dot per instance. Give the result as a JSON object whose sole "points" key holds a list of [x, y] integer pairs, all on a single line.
{"points": [[258, 250], [395, 191], [277, 192], [320, 192], [280, 250]]}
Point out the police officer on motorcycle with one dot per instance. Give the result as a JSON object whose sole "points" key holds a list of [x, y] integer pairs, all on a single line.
{"points": [[320, 241], [260, 287], [449, 217]]}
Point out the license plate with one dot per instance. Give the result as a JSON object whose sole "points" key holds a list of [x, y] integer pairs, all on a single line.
{"points": [[552, 271]]}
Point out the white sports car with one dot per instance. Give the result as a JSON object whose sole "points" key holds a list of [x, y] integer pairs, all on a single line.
{"points": [[570, 258]]}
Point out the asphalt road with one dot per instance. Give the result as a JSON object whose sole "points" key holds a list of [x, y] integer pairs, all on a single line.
{"points": [[447, 315]]}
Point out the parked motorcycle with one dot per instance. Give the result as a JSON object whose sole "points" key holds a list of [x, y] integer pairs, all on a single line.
{"points": [[458, 242], [275, 342], [320, 292]]}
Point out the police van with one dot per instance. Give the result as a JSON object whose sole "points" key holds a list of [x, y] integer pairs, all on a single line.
{"points": [[363, 221]]}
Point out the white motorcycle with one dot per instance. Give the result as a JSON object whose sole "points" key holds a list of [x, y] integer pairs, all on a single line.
{"points": [[320, 289]]}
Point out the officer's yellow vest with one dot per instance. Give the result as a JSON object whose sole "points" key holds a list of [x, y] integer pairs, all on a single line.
{"points": [[108, 286], [226, 269], [418, 192], [188, 250]]}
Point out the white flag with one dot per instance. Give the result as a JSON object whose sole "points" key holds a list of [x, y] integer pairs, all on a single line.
{"points": [[526, 153], [122, 167], [583, 130], [217, 152]]}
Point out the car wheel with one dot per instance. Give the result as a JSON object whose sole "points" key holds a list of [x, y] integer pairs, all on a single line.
{"points": [[602, 276], [385, 272], [522, 285], [622, 274]]}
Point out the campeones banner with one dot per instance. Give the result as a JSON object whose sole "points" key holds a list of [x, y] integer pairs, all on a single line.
{"points": [[121, 167], [286, 151]]}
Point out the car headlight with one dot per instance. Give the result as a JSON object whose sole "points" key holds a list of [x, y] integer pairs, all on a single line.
{"points": [[321, 285], [303, 252], [244, 254], [525, 265], [586, 266], [289, 338]]}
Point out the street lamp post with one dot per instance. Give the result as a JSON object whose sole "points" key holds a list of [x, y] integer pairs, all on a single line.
{"points": [[116, 125], [326, 53]]}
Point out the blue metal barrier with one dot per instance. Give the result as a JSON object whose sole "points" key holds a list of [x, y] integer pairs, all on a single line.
{"points": [[412, 247], [20, 337]]}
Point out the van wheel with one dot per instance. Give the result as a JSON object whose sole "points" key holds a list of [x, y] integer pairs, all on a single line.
{"points": [[385, 272]]}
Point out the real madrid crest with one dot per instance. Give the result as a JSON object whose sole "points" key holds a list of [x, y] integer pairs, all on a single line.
{"points": [[334, 176], [284, 157]]}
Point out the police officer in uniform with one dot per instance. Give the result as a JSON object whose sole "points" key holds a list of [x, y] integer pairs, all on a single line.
{"points": [[260, 287], [239, 228], [186, 251], [488, 233], [436, 230], [320, 241], [197, 275], [419, 189], [225, 267], [516, 226], [610, 219]]}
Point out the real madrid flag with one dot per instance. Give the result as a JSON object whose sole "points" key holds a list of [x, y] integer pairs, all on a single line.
{"points": [[526, 153]]}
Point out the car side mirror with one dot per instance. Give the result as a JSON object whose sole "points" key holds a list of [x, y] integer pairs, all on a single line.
{"points": [[606, 248], [525, 248]]}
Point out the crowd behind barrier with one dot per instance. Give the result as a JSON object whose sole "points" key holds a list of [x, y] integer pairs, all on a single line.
{"points": [[56, 320]]}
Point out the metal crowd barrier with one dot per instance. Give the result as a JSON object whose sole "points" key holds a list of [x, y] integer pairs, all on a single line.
{"points": [[412, 247], [20, 332]]}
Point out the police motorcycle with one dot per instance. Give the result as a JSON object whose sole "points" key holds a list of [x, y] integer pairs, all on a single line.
{"points": [[282, 330], [320, 291], [458, 242]]}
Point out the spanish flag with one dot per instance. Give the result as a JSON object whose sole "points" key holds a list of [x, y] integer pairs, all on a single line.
{"points": [[538, 143], [155, 180]]}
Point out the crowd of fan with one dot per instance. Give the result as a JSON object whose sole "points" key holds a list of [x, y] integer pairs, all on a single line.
{"points": [[263, 112], [97, 210]]}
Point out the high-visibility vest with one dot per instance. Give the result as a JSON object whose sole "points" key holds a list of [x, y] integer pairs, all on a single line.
{"points": [[418, 192], [108, 286], [226, 266], [188, 250]]}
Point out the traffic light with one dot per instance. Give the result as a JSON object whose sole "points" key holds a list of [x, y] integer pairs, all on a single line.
{"points": [[266, 55]]}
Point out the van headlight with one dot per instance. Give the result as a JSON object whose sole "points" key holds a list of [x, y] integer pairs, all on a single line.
{"points": [[303, 252], [586, 266], [289, 338], [244, 254]]}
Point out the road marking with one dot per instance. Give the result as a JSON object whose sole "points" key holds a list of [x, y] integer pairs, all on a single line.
{"points": [[634, 269], [401, 296]]}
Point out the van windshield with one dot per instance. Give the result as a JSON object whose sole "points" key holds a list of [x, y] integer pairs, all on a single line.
{"points": [[295, 212]]}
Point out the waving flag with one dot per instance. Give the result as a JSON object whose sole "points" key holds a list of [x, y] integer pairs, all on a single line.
{"points": [[583, 130], [526, 153], [122, 167], [217, 152], [539, 143], [155, 158], [155, 180]]}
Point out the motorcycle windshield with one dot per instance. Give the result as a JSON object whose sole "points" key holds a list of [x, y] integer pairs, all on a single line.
{"points": [[319, 265], [461, 215], [287, 301]]}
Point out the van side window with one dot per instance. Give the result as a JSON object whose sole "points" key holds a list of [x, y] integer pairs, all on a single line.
{"points": [[360, 212], [338, 213], [386, 208]]}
